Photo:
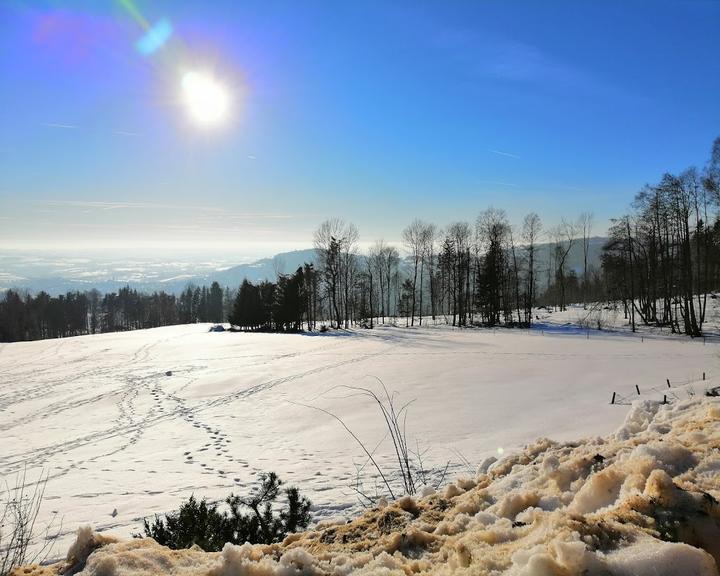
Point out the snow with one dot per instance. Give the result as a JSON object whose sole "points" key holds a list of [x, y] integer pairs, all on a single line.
{"points": [[611, 317], [653, 559], [120, 439], [520, 519]]}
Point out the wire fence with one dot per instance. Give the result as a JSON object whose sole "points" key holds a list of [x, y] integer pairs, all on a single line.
{"points": [[670, 391]]}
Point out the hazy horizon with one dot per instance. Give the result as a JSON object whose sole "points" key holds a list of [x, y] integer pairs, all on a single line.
{"points": [[160, 127]]}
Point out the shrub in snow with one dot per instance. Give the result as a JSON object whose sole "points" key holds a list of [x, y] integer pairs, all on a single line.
{"points": [[260, 524], [255, 519], [195, 523]]}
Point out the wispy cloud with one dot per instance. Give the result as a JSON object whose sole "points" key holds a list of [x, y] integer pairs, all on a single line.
{"points": [[200, 213], [489, 54], [57, 125], [77, 127], [501, 153], [497, 183], [104, 205]]}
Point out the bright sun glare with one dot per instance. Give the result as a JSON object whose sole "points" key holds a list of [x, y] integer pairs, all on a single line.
{"points": [[206, 100]]}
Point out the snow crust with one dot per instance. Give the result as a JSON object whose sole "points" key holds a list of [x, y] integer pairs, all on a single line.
{"points": [[613, 506], [127, 425]]}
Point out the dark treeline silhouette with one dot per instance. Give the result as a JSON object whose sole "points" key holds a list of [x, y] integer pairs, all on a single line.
{"points": [[284, 306], [660, 263], [27, 317]]}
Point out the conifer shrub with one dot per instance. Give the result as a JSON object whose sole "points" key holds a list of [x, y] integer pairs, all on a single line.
{"points": [[258, 518]]}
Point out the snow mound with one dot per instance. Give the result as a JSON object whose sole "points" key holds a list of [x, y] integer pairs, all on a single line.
{"points": [[643, 501]]}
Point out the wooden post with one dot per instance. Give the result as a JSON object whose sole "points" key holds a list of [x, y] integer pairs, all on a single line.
{"points": [[703, 375], [668, 381], [613, 399], [664, 398], [638, 389]]}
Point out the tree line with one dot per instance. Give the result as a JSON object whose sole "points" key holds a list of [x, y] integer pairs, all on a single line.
{"points": [[660, 263], [28, 317], [663, 258], [483, 273]]}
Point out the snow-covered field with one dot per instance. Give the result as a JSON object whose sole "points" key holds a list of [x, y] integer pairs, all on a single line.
{"points": [[129, 424], [611, 317]]}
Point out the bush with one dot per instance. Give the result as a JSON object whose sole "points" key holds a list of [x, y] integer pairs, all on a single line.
{"points": [[255, 519], [196, 523], [21, 542]]}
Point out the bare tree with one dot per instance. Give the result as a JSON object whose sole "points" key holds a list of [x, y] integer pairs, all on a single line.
{"points": [[335, 243], [429, 234], [585, 223], [563, 236], [458, 237], [532, 227], [327, 248], [418, 238], [412, 239], [391, 260], [516, 274], [348, 255], [377, 258]]}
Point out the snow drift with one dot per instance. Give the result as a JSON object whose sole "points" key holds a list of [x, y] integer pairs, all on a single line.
{"points": [[641, 501]]}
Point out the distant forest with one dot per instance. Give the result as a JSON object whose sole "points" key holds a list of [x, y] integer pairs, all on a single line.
{"points": [[661, 261]]}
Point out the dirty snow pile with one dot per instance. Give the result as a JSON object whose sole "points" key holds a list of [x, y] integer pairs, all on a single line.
{"points": [[643, 501]]}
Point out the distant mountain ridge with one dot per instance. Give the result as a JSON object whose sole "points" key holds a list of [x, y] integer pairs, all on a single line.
{"points": [[263, 269], [257, 271]]}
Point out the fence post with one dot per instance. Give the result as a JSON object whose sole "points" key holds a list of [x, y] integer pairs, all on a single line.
{"points": [[668, 381], [613, 399], [638, 389]]}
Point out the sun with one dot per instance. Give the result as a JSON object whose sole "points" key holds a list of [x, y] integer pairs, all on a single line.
{"points": [[207, 101]]}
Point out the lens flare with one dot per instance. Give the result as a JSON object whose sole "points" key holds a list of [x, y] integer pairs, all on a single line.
{"points": [[206, 100], [155, 38]]}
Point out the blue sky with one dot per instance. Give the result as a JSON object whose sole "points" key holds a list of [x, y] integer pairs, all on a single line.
{"points": [[377, 112]]}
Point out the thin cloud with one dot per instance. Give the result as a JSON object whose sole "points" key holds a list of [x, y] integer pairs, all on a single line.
{"points": [[210, 213], [497, 183], [125, 133], [57, 125], [104, 205], [501, 153], [491, 55], [251, 157]]}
